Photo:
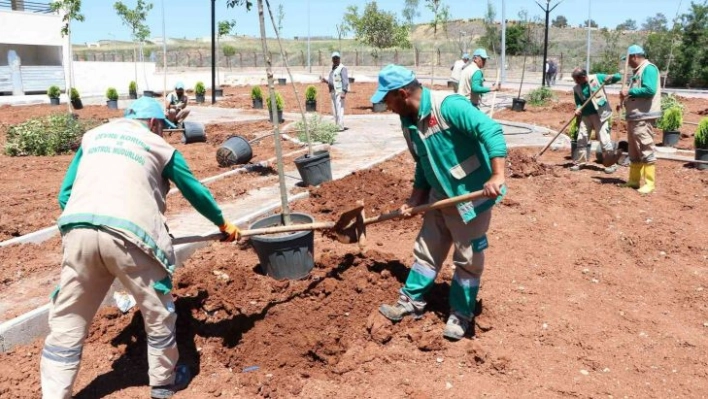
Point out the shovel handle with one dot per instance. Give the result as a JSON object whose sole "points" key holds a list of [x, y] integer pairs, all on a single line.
{"points": [[427, 207], [255, 232], [193, 239]]}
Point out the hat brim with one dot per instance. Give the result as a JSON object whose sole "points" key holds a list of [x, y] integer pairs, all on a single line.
{"points": [[379, 96]]}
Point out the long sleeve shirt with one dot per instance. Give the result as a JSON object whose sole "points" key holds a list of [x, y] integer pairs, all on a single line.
{"points": [[589, 109], [478, 83], [650, 81]]}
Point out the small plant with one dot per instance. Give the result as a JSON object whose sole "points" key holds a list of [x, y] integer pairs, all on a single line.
{"points": [[573, 130], [112, 94], [133, 87], [199, 89], [671, 120], [670, 101], [700, 139], [311, 93], [256, 93], [53, 92], [541, 96], [74, 94], [49, 135], [320, 130], [278, 101]]}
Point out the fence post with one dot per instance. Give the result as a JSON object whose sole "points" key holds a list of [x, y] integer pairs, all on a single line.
{"points": [[416, 56], [240, 59], [438, 61], [395, 56], [356, 57]]}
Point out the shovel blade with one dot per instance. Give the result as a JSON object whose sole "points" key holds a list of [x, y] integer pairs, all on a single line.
{"points": [[348, 227]]}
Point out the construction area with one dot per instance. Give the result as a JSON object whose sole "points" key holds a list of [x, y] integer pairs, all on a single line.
{"points": [[590, 288]]}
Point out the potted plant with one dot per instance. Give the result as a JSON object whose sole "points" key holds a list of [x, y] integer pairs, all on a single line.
{"points": [[54, 92], [311, 99], [282, 81], [76, 99], [133, 90], [278, 104], [573, 136], [112, 96], [315, 168], [199, 92], [351, 79], [670, 123], [257, 97], [380, 107], [700, 140]]}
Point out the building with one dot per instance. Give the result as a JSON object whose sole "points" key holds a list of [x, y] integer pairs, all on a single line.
{"points": [[32, 49]]}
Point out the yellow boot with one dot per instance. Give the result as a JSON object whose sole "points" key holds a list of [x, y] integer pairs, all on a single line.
{"points": [[635, 173], [649, 172]]}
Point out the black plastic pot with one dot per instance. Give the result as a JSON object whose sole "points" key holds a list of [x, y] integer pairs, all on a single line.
{"points": [[193, 133], [351, 80], [280, 116], [54, 101], [219, 92], [311, 106], [148, 93], [257, 103], [380, 107], [112, 104], [133, 95], [287, 256], [670, 138], [200, 98], [235, 151], [316, 169], [77, 103], [701, 155], [518, 104], [450, 84], [282, 81], [574, 148]]}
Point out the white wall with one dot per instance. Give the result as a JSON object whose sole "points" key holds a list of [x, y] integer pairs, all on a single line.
{"points": [[93, 78], [20, 27]]}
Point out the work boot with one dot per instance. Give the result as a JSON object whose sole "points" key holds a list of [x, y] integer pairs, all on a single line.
{"points": [[456, 327], [635, 173], [649, 172], [182, 379], [610, 169], [401, 309]]}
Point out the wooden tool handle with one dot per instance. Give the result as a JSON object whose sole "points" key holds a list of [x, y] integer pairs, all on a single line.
{"points": [[427, 207], [255, 232], [193, 239], [494, 96]]}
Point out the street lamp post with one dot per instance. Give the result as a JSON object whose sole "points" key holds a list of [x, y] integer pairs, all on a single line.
{"points": [[503, 45], [309, 65], [213, 51], [164, 52]]}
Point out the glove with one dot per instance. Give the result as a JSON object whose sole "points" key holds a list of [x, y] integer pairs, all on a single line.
{"points": [[231, 231]]}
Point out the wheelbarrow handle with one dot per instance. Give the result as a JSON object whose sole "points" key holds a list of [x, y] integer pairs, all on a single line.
{"points": [[255, 232]]}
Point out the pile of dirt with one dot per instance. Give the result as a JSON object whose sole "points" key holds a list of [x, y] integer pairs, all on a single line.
{"points": [[18, 261], [520, 164]]}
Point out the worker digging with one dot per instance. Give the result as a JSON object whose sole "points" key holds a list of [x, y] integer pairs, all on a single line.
{"points": [[113, 227], [457, 149], [472, 78]]}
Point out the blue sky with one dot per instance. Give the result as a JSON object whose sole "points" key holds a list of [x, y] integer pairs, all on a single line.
{"points": [[191, 18]]}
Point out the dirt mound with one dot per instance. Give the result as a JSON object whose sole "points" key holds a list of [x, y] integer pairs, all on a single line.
{"points": [[520, 163], [17, 261]]}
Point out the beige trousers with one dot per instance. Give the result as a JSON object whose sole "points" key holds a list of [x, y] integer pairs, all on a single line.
{"points": [[338, 109], [640, 136], [92, 260], [177, 115], [589, 124]]}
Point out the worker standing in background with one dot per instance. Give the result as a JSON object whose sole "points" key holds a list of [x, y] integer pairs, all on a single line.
{"points": [[338, 83], [457, 71], [472, 78], [113, 227], [642, 102]]}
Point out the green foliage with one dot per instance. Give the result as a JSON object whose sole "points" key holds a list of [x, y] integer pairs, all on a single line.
{"points": [[133, 87], [228, 50], [611, 54], [135, 18], [516, 37], [593, 24], [671, 101], [225, 27], [541, 96], [278, 101], [320, 131], [199, 88], [671, 120], [74, 94], [53, 91], [410, 12], [656, 23], [376, 28], [311, 93], [573, 130], [112, 94], [441, 15], [71, 10], [700, 139], [560, 22], [234, 3], [492, 34], [49, 135], [629, 24], [256, 93], [657, 46], [280, 16], [691, 64]]}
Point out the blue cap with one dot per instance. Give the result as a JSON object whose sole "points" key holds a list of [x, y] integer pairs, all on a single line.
{"points": [[481, 53], [465, 56], [147, 108], [336, 54], [633, 50], [392, 77], [179, 85]]}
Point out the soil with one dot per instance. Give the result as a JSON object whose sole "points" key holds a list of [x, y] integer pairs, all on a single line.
{"points": [[556, 114], [617, 310], [10, 115]]}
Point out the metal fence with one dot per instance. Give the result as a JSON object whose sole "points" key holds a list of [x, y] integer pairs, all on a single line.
{"points": [[27, 6]]}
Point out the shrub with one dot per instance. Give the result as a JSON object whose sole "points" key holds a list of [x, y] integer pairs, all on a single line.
{"points": [[54, 91], [256, 93], [671, 120], [74, 94], [112, 94], [540, 96], [133, 87], [278, 101], [320, 130], [49, 135], [311, 93], [670, 101], [700, 139], [199, 89], [573, 130], [229, 50]]}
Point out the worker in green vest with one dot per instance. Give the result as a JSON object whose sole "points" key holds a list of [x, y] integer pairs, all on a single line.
{"points": [[472, 78]]}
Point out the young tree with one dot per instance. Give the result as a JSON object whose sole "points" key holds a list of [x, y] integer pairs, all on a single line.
{"points": [[441, 16], [377, 28], [656, 23], [72, 12], [560, 22], [281, 16], [492, 35], [691, 63], [410, 12], [629, 24], [611, 54], [135, 20], [342, 30], [224, 28]]}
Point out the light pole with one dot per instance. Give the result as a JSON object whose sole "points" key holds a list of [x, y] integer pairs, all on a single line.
{"points": [[503, 44], [309, 65], [164, 52], [587, 60], [213, 51]]}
